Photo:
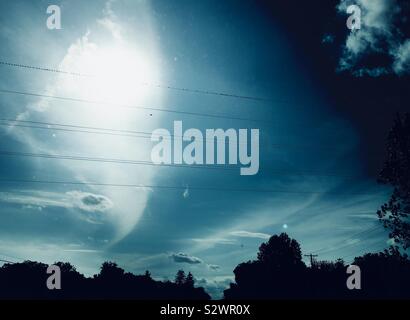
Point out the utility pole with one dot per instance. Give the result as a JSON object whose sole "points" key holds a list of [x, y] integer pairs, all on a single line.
{"points": [[312, 258]]}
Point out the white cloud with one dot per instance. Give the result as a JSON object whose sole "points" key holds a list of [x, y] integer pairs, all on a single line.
{"points": [[366, 215], [31, 199], [213, 241], [247, 234], [108, 21], [216, 285]]}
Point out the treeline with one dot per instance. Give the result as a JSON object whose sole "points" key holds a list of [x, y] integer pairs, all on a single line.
{"points": [[278, 273], [27, 280]]}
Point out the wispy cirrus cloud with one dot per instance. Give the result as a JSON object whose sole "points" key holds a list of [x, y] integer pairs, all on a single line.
{"points": [[70, 200], [247, 234]]}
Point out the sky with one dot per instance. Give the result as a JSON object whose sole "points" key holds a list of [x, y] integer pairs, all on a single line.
{"points": [[329, 96]]}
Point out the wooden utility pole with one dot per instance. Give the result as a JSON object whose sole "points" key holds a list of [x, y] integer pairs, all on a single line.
{"points": [[312, 258]]}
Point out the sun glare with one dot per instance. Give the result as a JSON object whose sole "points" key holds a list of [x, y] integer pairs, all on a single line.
{"points": [[118, 76]]}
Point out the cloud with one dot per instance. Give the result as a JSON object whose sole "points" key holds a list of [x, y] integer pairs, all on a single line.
{"points": [[402, 58], [30, 207], [390, 242], [214, 267], [379, 37], [352, 241], [82, 250], [34, 198], [215, 286], [186, 193], [370, 215], [90, 202], [374, 72], [85, 201], [185, 258], [109, 21], [213, 241], [247, 234]]}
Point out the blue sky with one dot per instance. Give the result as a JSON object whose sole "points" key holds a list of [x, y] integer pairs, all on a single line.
{"points": [[199, 45]]}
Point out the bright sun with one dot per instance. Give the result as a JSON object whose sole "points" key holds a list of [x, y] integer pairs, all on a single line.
{"points": [[118, 76]]}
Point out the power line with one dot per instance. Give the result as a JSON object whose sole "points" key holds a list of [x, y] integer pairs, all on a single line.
{"points": [[13, 121], [165, 187], [108, 160], [119, 132], [150, 163], [326, 250], [96, 130], [168, 87], [356, 254], [6, 261], [345, 245], [71, 99]]}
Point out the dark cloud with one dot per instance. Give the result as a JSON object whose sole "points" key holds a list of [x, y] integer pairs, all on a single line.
{"points": [[214, 267], [90, 202], [185, 258]]}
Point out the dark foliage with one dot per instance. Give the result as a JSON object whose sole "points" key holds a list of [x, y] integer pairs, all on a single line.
{"points": [[27, 280], [396, 173], [279, 273]]}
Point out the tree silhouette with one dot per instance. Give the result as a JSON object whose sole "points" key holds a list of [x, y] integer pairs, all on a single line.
{"points": [[111, 270], [277, 273], [396, 172], [280, 251], [189, 281], [385, 274], [180, 278]]}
